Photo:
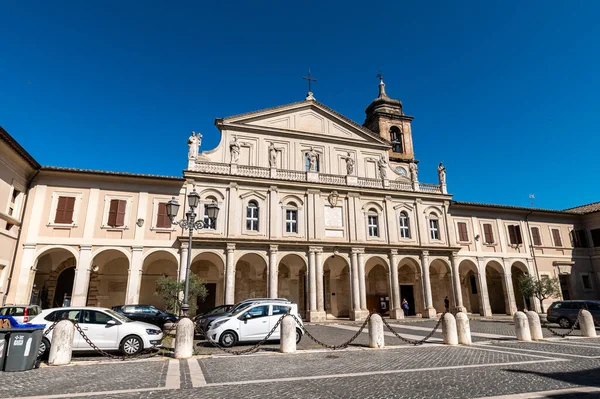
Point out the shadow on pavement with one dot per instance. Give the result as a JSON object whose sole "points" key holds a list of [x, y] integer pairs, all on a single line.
{"points": [[590, 378]]}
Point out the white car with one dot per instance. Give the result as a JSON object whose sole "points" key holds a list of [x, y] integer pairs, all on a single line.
{"points": [[107, 329], [253, 323]]}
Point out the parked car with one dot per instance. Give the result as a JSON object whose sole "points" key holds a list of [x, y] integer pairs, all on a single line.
{"points": [[107, 329], [215, 310], [252, 323], [203, 322], [565, 312], [21, 313], [147, 314]]}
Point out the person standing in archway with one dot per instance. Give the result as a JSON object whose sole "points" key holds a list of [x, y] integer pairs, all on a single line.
{"points": [[405, 307], [447, 303]]}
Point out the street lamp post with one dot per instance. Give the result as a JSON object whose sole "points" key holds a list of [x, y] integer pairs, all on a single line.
{"points": [[190, 223]]}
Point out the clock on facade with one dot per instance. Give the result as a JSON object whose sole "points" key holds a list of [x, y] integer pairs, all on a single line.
{"points": [[401, 170]]}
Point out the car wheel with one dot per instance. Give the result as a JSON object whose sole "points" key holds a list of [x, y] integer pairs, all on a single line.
{"points": [[298, 335], [564, 322], [228, 339], [131, 345], [44, 348]]}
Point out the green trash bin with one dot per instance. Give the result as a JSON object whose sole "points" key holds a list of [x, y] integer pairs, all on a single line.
{"points": [[23, 346], [4, 334]]}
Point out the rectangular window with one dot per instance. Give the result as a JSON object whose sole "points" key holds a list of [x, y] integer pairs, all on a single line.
{"points": [[162, 219], [404, 226], [514, 234], [586, 281], [373, 225], [578, 239], [434, 230], [116, 213], [556, 237], [252, 217], [64, 210], [291, 221], [209, 224], [463, 234], [488, 233], [595, 237], [535, 235]]}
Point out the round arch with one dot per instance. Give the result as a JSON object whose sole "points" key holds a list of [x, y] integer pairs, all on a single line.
{"points": [[251, 276], [440, 278], [494, 275], [171, 251], [54, 248], [411, 284], [209, 266], [157, 263], [109, 277], [377, 284], [49, 263], [336, 284], [101, 250], [470, 285], [519, 270], [291, 280]]}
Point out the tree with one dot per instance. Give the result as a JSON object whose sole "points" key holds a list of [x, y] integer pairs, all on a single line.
{"points": [[170, 290], [541, 289]]}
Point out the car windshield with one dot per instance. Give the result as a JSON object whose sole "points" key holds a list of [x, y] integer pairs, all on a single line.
{"points": [[220, 309], [117, 316], [240, 309]]}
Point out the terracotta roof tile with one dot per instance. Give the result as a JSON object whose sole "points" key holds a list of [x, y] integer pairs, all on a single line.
{"points": [[516, 208], [109, 173], [18, 149], [583, 209]]}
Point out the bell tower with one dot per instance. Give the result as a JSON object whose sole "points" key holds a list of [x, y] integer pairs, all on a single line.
{"points": [[385, 117]]}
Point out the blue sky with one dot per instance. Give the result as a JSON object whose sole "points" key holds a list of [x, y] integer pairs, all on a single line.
{"points": [[504, 93]]}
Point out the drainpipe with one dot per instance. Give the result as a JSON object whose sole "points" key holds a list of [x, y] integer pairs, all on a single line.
{"points": [[14, 261]]}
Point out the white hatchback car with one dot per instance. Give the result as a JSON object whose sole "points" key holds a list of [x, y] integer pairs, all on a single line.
{"points": [[108, 330], [253, 323]]}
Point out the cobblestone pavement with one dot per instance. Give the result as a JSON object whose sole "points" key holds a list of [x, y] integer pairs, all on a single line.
{"points": [[491, 368]]}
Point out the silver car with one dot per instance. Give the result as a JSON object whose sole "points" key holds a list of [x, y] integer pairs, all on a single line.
{"points": [[21, 313]]}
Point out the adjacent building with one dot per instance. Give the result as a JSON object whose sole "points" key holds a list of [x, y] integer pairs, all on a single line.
{"points": [[314, 207]]}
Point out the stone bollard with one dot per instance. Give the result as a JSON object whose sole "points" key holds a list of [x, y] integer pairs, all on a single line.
{"points": [[463, 329], [376, 338], [287, 342], [586, 324], [184, 339], [449, 330], [61, 346], [535, 326], [522, 327]]}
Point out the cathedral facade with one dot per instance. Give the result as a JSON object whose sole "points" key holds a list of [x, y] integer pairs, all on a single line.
{"points": [[314, 207]]}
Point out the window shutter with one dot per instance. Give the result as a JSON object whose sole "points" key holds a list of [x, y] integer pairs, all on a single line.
{"points": [[488, 233], [60, 210], [162, 219], [121, 212], [462, 232], [556, 236], [535, 233], [583, 241], [512, 235], [112, 213], [69, 208], [518, 235]]}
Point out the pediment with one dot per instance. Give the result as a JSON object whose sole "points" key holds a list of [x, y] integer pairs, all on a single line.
{"points": [[309, 117]]}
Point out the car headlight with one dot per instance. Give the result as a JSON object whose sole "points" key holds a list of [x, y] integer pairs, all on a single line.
{"points": [[218, 323], [151, 331]]}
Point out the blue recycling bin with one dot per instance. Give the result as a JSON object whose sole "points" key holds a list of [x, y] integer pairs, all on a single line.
{"points": [[21, 344]]}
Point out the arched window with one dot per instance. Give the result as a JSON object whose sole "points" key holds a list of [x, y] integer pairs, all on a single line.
{"points": [[291, 218], [404, 225], [373, 223], [252, 216], [396, 137], [434, 227]]}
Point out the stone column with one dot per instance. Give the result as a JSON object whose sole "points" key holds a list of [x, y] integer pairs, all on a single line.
{"points": [[458, 299], [361, 281], [429, 310], [135, 277], [26, 275], [396, 312], [273, 271], [230, 275], [312, 275], [82, 276], [486, 309], [355, 313], [320, 299], [511, 304], [183, 256]]}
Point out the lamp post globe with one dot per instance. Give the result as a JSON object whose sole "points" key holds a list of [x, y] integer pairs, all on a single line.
{"points": [[193, 199], [172, 208]]}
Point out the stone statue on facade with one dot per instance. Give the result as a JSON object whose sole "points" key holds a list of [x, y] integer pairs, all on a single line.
{"points": [[413, 171], [349, 164], [383, 166], [442, 173], [194, 145], [273, 155], [312, 160], [234, 147]]}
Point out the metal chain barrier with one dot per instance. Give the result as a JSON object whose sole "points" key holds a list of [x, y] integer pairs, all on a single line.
{"points": [[411, 341], [563, 335], [334, 347]]}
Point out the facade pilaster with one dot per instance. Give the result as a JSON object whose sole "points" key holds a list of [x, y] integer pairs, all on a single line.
{"points": [[273, 204], [361, 280], [355, 312], [230, 275], [135, 277], [533, 300], [24, 283], [429, 310], [233, 221], [273, 271], [396, 312], [320, 292], [458, 299], [315, 275], [510, 304], [486, 309], [82, 276]]}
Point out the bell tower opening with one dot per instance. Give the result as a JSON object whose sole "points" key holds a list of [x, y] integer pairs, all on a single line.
{"points": [[385, 117]]}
